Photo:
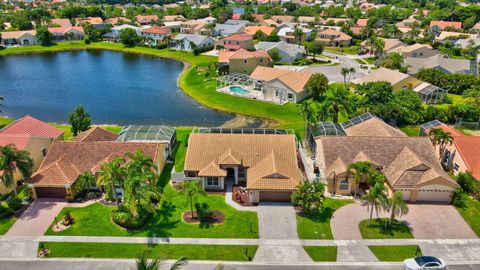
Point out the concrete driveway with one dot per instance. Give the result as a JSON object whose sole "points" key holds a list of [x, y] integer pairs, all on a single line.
{"points": [[426, 221], [278, 221], [333, 73]]}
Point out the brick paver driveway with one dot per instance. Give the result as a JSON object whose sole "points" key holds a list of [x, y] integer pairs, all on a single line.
{"points": [[426, 221], [36, 219]]}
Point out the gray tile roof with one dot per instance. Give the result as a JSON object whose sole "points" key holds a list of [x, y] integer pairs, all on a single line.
{"points": [[437, 61]]}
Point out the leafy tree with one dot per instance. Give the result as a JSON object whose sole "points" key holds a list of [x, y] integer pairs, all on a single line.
{"points": [[44, 36], [21, 22], [310, 196], [79, 120], [396, 206], [259, 35], [338, 99], [390, 31], [376, 199], [309, 111], [394, 61], [346, 72], [192, 188], [129, 37], [273, 38], [317, 85], [11, 160], [315, 48], [275, 55], [112, 175], [468, 183], [360, 171], [85, 181], [144, 263]]}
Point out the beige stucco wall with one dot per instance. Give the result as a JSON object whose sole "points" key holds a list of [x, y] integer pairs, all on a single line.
{"points": [[457, 158], [407, 84], [239, 65]]}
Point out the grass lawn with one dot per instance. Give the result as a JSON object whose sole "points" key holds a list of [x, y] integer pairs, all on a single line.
{"points": [[6, 224], [164, 251], [377, 230], [411, 130], [193, 82], [181, 151], [322, 254], [395, 253], [344, 50], [317, 226], [471, 214], [5, 121]]}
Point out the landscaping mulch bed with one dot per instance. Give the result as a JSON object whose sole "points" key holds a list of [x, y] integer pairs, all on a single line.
{"points": [[239, 197], [218, 218]]}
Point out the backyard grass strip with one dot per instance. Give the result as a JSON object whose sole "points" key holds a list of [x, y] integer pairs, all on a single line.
{"points": [[395, 253], [322, 254], [163, 251]]}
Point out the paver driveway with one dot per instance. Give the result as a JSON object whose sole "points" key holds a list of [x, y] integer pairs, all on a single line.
{"points": [[36, 219], [426, 221]]}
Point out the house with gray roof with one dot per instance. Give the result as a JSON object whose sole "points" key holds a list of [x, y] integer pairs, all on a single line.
{"points": [[447, 65], [184, 42], [230, 27], [288, 52]]}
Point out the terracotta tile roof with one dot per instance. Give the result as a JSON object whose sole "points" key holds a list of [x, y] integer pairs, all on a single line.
{"points": [[251, 30], [116, 20], [19, 140], [17, 34], [63, 30], [445, 24], [236, 16], [146, 18], [61, 22], [232, 46], [362, 22], [160, 30], [332, 32], [469, 149], [173, 18], [32, 126], [271, 160], [96, 134], [374, 127], [398, 156], [283, 19], [239, 37], [66, 160], [225, 56], [295, 80]]}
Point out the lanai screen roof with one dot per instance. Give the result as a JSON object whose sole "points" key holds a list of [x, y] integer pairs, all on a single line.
{"points": [[335, 129], [429, 125], [146, 133]]}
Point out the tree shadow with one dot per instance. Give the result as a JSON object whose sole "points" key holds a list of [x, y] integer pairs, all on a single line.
{"points": [[323, 216]]}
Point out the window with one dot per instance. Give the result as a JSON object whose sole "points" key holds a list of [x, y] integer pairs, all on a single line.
{"points": [[276, 93], [213, 181], [260, 60], [344, 185], [456, 167], [44, 152], [191, 174], [241, 172], [245, 61], [290, 96], [414, 54]]}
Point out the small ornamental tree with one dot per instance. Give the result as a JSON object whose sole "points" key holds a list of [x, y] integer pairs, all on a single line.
{"points": [[310, 196], [129, 37], [317, 85], [315, 48], [44, 36], [79, 120], [192, 188], [275, 56]]}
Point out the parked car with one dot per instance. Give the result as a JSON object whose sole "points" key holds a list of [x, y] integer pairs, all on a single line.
{"points": [[424, 263]]}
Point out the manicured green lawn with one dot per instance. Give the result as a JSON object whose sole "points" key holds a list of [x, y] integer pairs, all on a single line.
{"points": [[377, 230], [164, 251], [318, 226], [344, 50], [395, 253], [411, 130], [471, 214], [322, 254], [5, 121], [193, 82], [6, 224], [181, 151]]}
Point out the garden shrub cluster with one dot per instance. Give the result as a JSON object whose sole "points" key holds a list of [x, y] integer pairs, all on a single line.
{"points": [[198, 51], [126, 220]]}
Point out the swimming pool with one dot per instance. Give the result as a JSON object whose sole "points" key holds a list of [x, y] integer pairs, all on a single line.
{"points": [[238, 90]]}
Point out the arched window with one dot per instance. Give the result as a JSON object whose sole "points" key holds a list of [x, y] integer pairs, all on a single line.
{"points": [[344, 185]]}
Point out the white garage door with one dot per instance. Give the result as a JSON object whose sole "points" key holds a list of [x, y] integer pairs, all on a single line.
{"points": [[430, 195]]}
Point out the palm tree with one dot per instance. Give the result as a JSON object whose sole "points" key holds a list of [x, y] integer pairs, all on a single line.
{"points": [[397, 206], [12, 159], [360, 171], [143, 263], [85, 181], [191, 188], [298, 33], [440, 138], [376, 199], [378, 45], [344, 73], [338, 99], [138, 193], [310, 113], [145, 166], [111, 176]]}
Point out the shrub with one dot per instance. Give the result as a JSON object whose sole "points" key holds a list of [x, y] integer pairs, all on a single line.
{"points": [[15, 204], [198, 51], [5, 211], [87, 40], [203, 211], [126, 220], [458, 198], [467, 183]]}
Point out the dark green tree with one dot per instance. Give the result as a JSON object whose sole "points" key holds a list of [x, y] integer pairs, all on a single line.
{"points": [[79, 120], [317, 85], [44, 36], [129, 37]]}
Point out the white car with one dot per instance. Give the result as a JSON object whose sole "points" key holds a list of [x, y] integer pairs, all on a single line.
{"points": [[424, 263]]}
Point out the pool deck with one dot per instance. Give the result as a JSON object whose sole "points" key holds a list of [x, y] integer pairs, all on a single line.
{"points": [[251, 94]]}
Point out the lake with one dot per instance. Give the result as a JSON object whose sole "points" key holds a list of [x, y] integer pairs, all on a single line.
{"points": [[114, 87]]}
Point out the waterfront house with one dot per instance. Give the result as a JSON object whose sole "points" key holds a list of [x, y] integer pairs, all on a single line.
{"points": [[67, 33], [188, 42], [288, 52], [243, 61], [156, 34], [265, 164], [114, 34], [19, 38]]}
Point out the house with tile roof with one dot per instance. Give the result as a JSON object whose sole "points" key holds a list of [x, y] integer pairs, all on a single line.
{"points": [[243, 61], [188, 42], [156, 34], [67, 160], [408, 163], [446, 24], [96, 134], [390, 44], [19, 38], [118, 20], [230, 27], [146, 19], [253, 29], [265, 164], [31, 135], [288, 52], [462, 155], [67, 33], [416, 50], [194, 27], [60, 23], [447, 65], [332, 37], [238, 41]]}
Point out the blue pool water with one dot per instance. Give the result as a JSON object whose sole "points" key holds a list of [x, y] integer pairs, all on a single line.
{"points": [[115, 88], [238, 90]]}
